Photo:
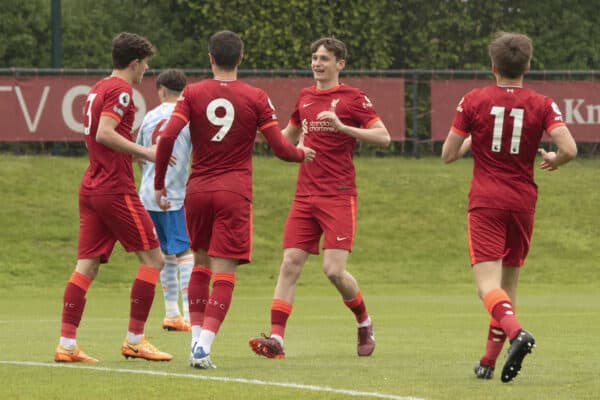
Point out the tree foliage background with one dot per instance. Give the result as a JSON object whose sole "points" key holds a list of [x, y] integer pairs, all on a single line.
{"points": [[380, 34]]}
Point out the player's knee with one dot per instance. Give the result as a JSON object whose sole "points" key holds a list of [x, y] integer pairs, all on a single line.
{"points": [[152, 258], [290, 268], [88, 270], [334, 275]]}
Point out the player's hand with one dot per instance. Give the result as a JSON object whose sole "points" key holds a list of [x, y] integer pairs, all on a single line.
{"points": [[309, 154], [161, 199], [548, 160], [332, 118]]}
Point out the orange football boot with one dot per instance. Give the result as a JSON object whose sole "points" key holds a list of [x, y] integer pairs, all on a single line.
{"points": [[176, 324], [145, 350], [75, 355]]}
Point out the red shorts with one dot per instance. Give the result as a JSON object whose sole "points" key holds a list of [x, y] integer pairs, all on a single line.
{"points": [[499, 234], [311, 216], [220, 223], [104, 219]]}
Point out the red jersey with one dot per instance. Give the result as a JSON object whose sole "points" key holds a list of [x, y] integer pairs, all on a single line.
{"points": [[223, 117], [110, 171], [506, 126], [332, 170]]}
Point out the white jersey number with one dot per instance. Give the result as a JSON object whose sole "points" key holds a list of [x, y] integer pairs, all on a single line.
{"points": [[88, 113], [515, 142], [225, 121]]}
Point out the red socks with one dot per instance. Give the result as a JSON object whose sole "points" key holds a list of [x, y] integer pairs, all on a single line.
{"points": [[280, 312], [198, 293], [142, 296], [219, 301], [74, 303], [495, 342], [357, 305], [500, 308]]}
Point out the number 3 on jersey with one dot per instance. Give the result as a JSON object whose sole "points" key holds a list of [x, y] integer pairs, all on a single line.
{"points": [[224, 121], [515, 142], [87, 123]]}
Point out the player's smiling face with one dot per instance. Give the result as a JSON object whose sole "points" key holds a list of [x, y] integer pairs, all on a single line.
{"points": [[325, 66]]}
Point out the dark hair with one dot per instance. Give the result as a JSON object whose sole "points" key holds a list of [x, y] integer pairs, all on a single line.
{"points": [[511, 53], [227, 49], [127, 47], [336, 46], [172, 79]]}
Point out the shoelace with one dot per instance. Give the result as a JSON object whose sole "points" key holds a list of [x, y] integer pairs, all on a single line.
{"points": [[146, 343]]}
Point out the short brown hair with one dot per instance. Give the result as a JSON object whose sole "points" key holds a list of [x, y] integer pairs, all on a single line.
{"points": [[511, 53], [227, 49], [336, 46], [127, 47], [172, 79]]}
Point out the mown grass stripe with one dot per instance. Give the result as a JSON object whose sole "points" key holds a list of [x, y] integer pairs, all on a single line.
{"points": [[299, 386]]}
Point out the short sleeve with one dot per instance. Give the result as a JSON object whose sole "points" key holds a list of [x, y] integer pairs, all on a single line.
{"points": [[363, 110], [117, 102], [461, 123], [295, 117], [552, 115], [182, 107], [265, 110]]}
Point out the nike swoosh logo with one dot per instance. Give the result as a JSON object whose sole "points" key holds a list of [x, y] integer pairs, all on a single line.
{"points": [[306, 104], [132, 348], [339, 239]]}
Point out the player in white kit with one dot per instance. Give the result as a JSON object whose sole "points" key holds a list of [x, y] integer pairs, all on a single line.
{"points": [[170, 225]]}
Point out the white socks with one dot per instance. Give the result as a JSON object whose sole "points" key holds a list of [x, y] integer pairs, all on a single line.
{"points": [[68, 343], [278, 338], [205, 340], [132, 338], [185, 265]]}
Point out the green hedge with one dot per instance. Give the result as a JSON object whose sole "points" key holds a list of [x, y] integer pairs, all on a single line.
{"points": [[380, 34]]}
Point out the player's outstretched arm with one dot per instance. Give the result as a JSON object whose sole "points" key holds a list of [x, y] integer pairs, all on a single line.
{"points": [[283, 149], [292, 133]]}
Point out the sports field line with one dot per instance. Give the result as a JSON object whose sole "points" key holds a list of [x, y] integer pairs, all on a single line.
{"points": [[218, 378]]}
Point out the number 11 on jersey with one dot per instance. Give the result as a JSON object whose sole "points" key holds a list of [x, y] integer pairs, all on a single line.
{"points": [[515, 142]]}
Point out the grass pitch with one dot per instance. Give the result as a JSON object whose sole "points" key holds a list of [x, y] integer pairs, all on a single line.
{"points": [[428, 338], [410, 259]]}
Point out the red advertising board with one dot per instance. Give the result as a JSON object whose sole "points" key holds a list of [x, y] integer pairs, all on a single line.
{"points": [[50, 108], [579, 102]]}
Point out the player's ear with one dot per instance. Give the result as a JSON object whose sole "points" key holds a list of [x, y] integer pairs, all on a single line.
{"points": [[211, 59], [341, 64], [528, 67], [133, 63]]}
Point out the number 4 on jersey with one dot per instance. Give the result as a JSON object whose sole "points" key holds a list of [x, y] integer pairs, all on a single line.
{"points": [[515, 142]]}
